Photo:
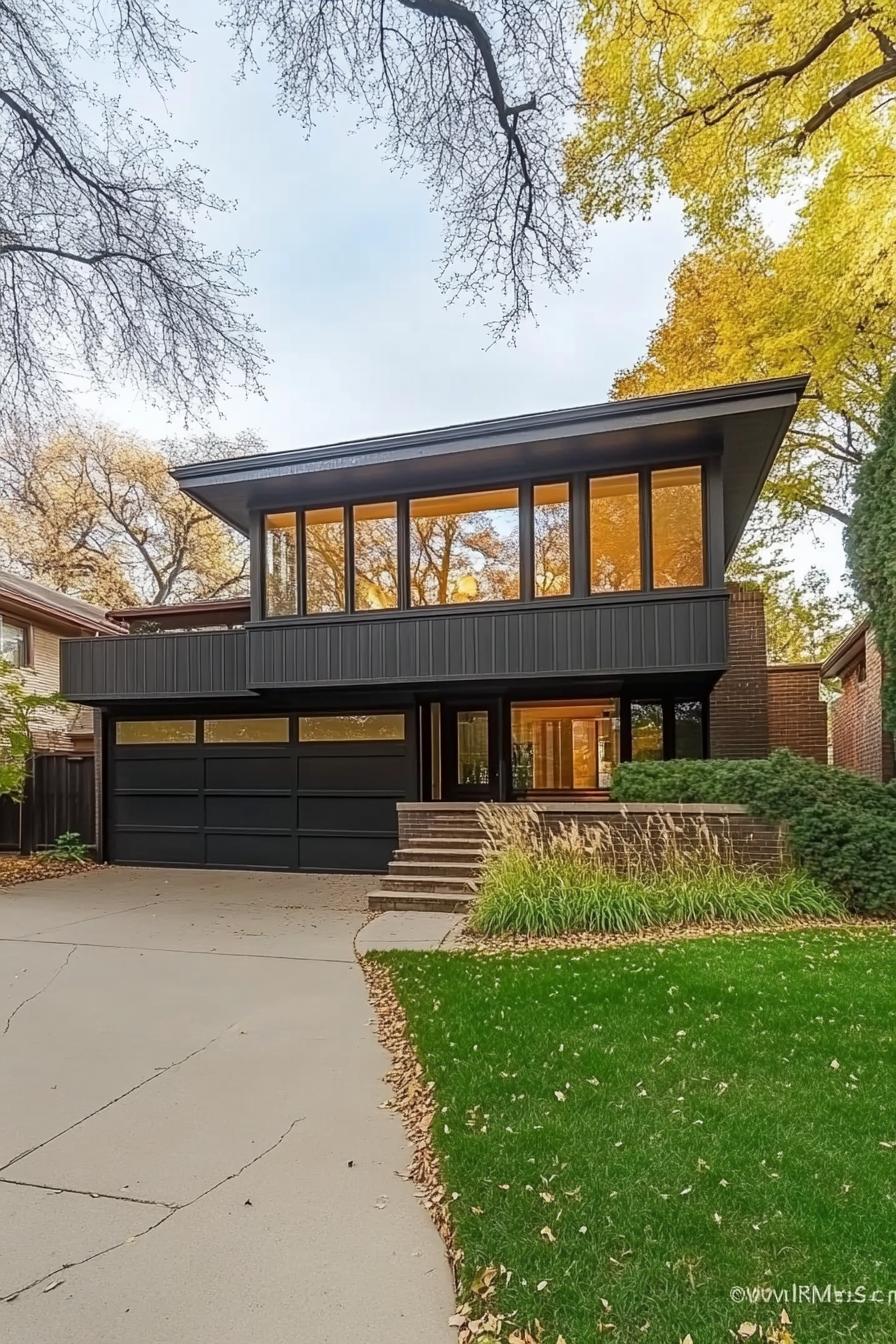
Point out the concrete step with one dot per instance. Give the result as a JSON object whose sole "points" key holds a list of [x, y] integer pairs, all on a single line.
{"points": [[463, 886], [401, 867], [443, 837], [441, 902], [440, 853]]}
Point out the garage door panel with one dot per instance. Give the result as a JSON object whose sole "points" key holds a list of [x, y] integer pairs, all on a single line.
{"points": [[159, 772], [247, 771], [158, 847], [322, 806], [157, 809], [235, 849], [349, 813], [340, 772], [250, 811], [345, 853]]}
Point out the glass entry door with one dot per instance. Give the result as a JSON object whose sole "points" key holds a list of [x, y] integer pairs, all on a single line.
{"points": [[469, 754]]}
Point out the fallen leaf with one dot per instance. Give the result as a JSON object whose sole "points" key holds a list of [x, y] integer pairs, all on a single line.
{"points": [[546, 1234]]}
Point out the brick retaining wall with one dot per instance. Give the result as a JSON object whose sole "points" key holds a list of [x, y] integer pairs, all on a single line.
{"points": [[750, 842]]}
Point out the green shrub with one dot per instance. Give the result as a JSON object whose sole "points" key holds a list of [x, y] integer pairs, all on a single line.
{"points": [[598, 878], [69, 845], [566, 893], [842, 825]]}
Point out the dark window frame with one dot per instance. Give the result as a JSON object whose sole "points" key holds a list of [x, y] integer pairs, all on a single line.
{"points": [[579, 540], [667, 702], [27, 663]]}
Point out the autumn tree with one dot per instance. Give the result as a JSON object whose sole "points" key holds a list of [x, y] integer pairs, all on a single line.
{"points": [[95, 513], [729, 106], [21, 710], [101, 265], [871, 545]]}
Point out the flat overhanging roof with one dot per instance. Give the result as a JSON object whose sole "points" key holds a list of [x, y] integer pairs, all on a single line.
{"points": [[745, 421]]}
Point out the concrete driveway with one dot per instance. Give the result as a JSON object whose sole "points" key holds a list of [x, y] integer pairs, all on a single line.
{"points": [[192, 1145]]}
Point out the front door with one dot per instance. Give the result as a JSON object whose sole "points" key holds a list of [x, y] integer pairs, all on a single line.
{"points": [[470, 755]]}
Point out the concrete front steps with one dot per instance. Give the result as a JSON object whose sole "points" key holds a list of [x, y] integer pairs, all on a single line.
{"points": [[438, 860]]}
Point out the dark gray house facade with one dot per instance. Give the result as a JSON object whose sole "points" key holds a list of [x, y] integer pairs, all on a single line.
{"points": [[496, 610]]}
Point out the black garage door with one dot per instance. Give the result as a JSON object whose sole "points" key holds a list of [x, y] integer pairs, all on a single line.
{"points": [[315, 791]]}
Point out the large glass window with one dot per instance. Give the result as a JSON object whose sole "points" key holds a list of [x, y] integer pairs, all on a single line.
{"points": [[689, 729], [647, 730], [560, 746], [615, 534], [13, 643], [280, 564], [551, 529], [351, 728], [375, 556], [677, 530], [247, 730], [136, 732], [324, 560], [465, 548]]}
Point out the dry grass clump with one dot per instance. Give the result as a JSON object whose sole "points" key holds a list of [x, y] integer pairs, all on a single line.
{"points": [[610, 879]]}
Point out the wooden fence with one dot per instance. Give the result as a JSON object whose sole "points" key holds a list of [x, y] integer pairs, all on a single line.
{"points": [[60, 797]]}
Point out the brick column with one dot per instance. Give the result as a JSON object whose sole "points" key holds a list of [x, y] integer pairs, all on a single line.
{"points": [[738, 705]]}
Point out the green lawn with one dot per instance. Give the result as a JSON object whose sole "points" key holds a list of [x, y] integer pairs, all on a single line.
{"points": [[658, 1124]]}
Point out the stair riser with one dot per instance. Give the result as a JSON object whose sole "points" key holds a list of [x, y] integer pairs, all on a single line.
{"points": [[449, 905], [439, 885], [428, 872]]}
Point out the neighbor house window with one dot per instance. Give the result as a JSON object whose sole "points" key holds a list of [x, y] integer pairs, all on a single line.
{"points": [[647, 730], [247, 730], [550, 505], [615, 526], [375, 556], [465, 548], [688, 729], [280, 564], [351, 728], [13, 643], [676, 500], [164, 732], [324, 560], [559, 745]]}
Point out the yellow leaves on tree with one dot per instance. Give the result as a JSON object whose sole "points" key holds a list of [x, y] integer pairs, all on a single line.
{"points": [[96, 514], [758, 115]]}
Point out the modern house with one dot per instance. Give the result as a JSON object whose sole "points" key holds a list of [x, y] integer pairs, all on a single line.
{"points": [[859, 740], [496, 610]]}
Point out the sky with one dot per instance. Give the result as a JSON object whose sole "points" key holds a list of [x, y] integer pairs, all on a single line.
{"points": [[346, 250]]}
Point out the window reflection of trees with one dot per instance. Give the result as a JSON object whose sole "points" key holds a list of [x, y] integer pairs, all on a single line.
{"points": [[677, 507], [324, 560], [551, 532], [615, 534], [376, 556], [465, 548]]}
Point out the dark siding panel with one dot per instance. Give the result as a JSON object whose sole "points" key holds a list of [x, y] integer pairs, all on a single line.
{"points": [[208, 662], [658, 634]]}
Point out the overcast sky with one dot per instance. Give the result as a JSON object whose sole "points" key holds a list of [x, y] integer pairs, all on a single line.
{"points": [[346, 257]]}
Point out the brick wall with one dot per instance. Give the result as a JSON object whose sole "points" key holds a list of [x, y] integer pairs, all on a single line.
{"points": [[745, 840], [738, 705], [797, 716], [858, 738]]}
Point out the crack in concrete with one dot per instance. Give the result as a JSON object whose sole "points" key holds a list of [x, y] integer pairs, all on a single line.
{"points": [[90, 1194], [37, 993], [172, 1210], [159, 1073], [104, 914], [183, 951]]}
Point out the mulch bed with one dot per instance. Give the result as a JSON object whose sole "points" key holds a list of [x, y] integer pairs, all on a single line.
{"points": [[18, 868], [466, 940]]}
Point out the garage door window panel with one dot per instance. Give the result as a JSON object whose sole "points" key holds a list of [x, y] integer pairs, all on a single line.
{"points": [[155, 732], [352, 728], [246, 730]]}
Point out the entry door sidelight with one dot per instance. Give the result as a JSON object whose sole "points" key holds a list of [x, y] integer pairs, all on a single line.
{"points": [[470, 757]]}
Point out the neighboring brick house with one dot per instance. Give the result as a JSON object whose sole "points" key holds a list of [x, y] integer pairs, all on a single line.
{"points": [[756, 706], [33, 619], [859, 739]]}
